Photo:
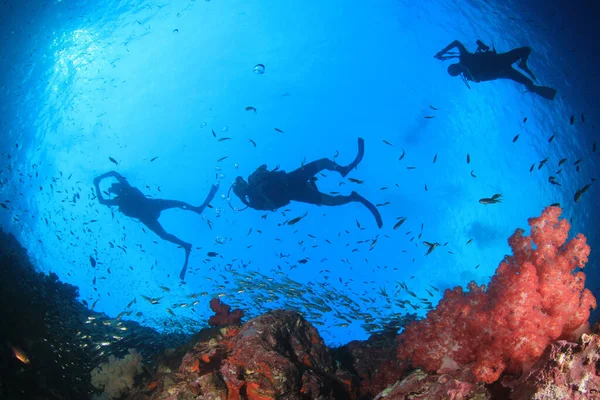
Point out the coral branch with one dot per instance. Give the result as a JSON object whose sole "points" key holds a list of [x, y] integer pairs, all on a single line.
{"points": [[533, 299]]}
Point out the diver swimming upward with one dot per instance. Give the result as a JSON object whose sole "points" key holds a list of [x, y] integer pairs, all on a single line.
{"points": [[487, 65], [134, 204], [270, 190]]}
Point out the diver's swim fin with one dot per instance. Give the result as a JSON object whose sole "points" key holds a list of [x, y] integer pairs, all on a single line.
{"points": [[545, 92], [357, 160], [185, 265], [370, 206]]}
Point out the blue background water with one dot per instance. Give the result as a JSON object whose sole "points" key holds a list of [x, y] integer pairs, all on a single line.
{"points": [[84, 81]]}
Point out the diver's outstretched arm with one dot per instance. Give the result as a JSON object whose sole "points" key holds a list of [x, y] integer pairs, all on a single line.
{"points": [[461, 48], [115, 175], [101, 199]]}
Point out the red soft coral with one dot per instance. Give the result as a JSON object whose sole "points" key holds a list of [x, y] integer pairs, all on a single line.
{"points": [[223, 314], [532, 300]]}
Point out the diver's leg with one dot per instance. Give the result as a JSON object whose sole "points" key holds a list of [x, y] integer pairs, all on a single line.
{"points": [[521, 55], [309, 170], [166, 204], [322, 199], [544, 91], [312, 196], [155, 227], [518, 77]]}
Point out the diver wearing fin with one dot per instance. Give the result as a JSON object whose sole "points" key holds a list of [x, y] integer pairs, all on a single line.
{"points": [[487, 65], [270, 190], [134, 204]]}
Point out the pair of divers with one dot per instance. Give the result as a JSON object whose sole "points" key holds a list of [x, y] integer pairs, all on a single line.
{"points": [[487, 65], [264, 190]]}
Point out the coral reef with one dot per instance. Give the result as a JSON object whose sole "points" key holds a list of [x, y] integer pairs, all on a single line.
{"points": [[117, 376], [532, 300], [275, 355], [223, 314], [372, 363]]}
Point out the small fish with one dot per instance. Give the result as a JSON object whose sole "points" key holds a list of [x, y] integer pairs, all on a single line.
{"points": [[561, 162], [552, 180], [542, 163], [578, 161], [223, 139], [388, 143], [469, 241], [400, 222], [524, 119], [580, 192], [468, 158], [19, 354], [572, 119], [250, 108], [432, 247], [435, 158], [170, 311], [402, 156], [212, 254], [515, 138], [532, 167], [131, 302], [164, 289], [113, 160], [473, 174], [222, 158], [357, 181], [297, 219], [411, 167], [494, 199], [551, 138], [93, 262], [253, 142], [214, 134], [429, 116], [433, 108], [278, 130]]}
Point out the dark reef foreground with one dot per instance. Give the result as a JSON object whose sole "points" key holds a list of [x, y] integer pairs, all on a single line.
{"points": [[279, 355], [54, 347]]}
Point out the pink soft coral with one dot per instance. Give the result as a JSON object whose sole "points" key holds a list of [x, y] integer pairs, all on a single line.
{"points": [[532, 300]]}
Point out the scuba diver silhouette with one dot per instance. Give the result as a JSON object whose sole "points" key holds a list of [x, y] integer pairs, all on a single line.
{"points": [[134, 204], [270, 190], [487, 65]]}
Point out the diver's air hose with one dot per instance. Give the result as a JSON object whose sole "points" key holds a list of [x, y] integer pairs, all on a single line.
{"points": [[229, 200]]}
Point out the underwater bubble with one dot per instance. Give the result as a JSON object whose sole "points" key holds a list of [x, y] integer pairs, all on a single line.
{"points": [[259, 69], [236, 165], [221, 240], [202, 125], [221, 176], [225, 129]]}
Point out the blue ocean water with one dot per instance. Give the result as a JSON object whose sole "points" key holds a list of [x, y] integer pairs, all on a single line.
{"points": [[147, 83]]}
